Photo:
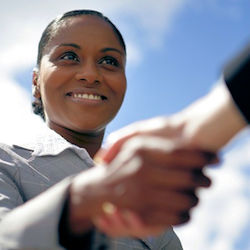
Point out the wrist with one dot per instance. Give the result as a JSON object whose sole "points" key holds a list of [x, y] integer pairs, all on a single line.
{"points": [[69, 239], [212, 121], [87, 193], [78, 222]]}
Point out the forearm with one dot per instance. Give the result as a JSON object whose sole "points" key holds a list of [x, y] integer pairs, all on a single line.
{"points": [[237, 78], [35, 223], [212, 121]]}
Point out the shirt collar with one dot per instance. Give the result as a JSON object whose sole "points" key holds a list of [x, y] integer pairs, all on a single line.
{"points": [[50, 143]]}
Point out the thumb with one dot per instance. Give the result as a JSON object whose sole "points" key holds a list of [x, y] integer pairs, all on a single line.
{"points": [[111, 151]]}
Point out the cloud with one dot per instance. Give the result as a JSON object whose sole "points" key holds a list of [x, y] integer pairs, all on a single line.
{"points": [[223, 212], [17, 121], [23, 22]]}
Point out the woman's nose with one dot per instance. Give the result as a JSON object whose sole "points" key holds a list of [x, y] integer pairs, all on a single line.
{"points": [[89, 73]]}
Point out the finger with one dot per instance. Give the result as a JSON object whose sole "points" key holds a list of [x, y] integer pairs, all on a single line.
{"points": [[114, 224], [174, 201], [140, 229], [118, 138], [133, 220], [98, 158], [122, 223], [175, 178], [132, 225], [184, 158], [163, 219], [114, 149], [200, 178]]}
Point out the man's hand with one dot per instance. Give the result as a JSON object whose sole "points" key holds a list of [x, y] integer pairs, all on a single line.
{"points": [[150, 184]]}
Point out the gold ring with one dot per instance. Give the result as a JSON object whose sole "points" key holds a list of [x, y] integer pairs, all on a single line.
{"points": [[108, 208]]}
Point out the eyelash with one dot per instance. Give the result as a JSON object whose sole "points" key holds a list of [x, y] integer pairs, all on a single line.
{"points": [[69, 53], [112, 61]]}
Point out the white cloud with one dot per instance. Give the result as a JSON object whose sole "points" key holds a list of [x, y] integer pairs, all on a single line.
{"points": [[223, 212], [24, 20], [17, 120]]}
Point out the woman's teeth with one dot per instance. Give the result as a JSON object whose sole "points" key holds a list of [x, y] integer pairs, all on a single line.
{"points": [[87, 96]]}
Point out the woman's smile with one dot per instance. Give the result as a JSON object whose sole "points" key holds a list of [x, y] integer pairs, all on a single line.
{"points": [[85, 97]]}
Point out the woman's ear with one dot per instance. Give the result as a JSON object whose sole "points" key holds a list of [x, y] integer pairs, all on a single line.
{"points": [[35, 84]]}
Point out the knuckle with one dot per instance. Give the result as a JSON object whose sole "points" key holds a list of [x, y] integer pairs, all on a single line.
{"points": [[141, 151]]}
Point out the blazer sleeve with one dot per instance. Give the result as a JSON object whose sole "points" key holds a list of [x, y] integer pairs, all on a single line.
{"points": [[237, 79], [33, 224]]}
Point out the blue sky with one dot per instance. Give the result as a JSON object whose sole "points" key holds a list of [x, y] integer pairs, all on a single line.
{"points": [[176, 50], [188, 60]]}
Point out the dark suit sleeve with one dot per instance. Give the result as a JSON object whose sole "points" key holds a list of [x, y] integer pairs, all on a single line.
{"points": [[67, 239], [237, 79], [91, 240]]}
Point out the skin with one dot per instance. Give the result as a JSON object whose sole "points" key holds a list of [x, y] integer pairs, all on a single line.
{"points": [[85, 57], [146, 165], [209, 123]]}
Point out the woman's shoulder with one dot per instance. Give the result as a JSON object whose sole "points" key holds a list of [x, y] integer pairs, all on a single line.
{"points": [[10, 155], [6, 149]]}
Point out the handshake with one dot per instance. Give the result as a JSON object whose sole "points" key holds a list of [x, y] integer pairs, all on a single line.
{"points": [[147, 179]]}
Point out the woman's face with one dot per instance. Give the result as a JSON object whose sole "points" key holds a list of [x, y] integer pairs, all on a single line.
{"points": [[81, 79]]}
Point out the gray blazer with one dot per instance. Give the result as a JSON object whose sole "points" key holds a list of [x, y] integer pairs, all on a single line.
{"points": [[34, 180]]}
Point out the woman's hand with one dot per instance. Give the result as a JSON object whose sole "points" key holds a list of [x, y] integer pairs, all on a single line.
{"points": [[151, 185]]}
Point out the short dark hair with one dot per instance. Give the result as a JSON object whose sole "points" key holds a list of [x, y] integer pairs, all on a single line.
{"points": [[52, 26], [50, 30]]}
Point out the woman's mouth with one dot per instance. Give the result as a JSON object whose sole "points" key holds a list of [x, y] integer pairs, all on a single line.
{"points": [[86, 96]]}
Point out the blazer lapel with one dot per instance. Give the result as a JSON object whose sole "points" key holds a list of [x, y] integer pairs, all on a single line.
{"points": [[147, 242]]}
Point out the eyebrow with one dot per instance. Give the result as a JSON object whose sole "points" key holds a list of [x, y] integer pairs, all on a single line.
{"points": [[71, 45], [79, 47], [112, 49]]}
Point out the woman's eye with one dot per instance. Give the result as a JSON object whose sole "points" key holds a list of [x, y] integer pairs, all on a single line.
{"points": [[109, 61], [70, 56]]}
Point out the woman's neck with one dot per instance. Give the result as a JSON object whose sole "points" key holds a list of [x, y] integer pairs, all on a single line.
{"points": [[91, 141]]}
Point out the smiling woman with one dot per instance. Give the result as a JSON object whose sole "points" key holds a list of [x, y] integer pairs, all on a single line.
{"points": [[81, 70], [79, 85]]}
